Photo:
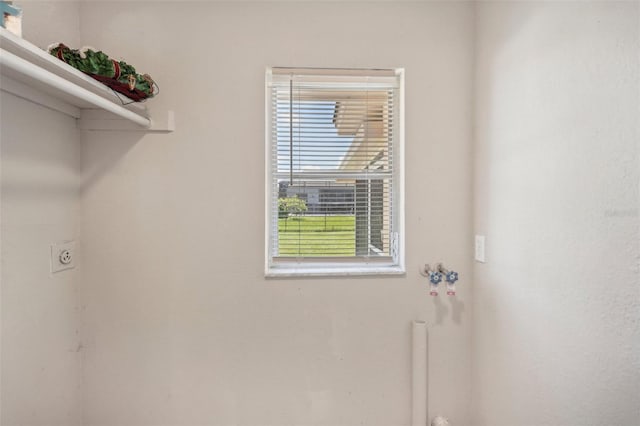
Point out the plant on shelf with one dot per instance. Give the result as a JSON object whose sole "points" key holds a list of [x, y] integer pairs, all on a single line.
{"points": [[118, 75]]}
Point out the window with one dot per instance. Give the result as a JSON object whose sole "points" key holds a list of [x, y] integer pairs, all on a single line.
{"points": [[334, 198]]}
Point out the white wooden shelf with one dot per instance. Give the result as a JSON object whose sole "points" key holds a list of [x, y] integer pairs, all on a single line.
{"points": [[31, 73]]}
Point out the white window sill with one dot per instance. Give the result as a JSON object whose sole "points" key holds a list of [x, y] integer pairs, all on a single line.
{"points": [[290, 271]]}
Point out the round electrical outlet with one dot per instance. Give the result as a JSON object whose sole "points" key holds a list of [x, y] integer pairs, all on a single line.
{"points": [[65, 257]]}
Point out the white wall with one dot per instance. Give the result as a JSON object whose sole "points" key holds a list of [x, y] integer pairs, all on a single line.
{"points": [[47, 22], [40, 174], [181, 326], [556, 307], [41, 349]]}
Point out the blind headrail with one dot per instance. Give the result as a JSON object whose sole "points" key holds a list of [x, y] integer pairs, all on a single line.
{"points": [[357, 72]]}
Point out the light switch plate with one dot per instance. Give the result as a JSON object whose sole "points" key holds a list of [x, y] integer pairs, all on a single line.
{"points": [[63, 256], [479, 249]]}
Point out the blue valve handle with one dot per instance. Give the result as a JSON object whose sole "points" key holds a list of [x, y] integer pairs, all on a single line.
{"points": [[451, 277], [435, 277]]}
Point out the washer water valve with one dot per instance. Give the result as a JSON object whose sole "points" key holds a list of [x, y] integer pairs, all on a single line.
{"points": [[435, 276], [451, 277], [434, 279]]}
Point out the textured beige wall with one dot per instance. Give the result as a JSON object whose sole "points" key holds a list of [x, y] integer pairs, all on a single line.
{"points": [[556, 307], [180, 325], [40, 192], [41, 351], [47, 22]]}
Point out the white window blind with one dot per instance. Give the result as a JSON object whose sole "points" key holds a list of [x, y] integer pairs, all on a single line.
{"points": [[333, 171]]}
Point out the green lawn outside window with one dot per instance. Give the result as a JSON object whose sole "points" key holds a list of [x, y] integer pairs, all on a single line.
{"points": [[317, 236]]}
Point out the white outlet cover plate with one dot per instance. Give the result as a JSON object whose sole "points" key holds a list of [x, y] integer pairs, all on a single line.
{"points": [[56, 249]]}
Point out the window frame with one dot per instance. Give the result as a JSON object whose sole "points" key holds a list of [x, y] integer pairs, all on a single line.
{"points": [[343, 266]]}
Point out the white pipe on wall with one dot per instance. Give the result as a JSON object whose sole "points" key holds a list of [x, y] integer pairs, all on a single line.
{"points": [[18, 64], [419, 374]]}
